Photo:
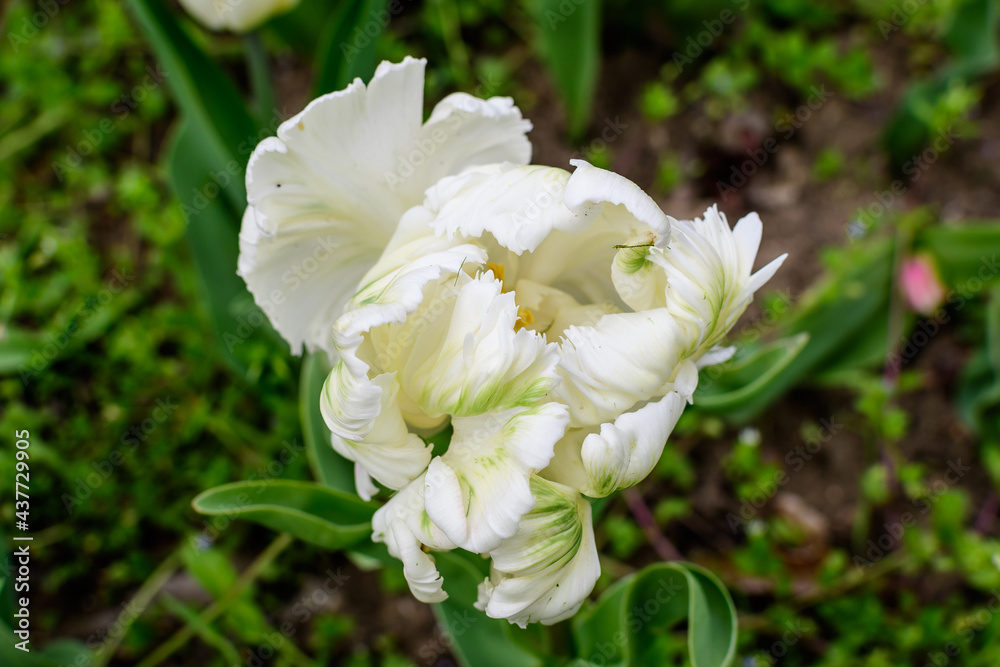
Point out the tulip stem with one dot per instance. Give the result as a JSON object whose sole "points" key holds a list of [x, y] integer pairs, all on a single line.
{"points": [[664, 548], [138, 604], [222, 604], [260, 76]]}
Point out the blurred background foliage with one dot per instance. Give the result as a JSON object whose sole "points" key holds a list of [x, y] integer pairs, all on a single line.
{"points": [[840, 475]]}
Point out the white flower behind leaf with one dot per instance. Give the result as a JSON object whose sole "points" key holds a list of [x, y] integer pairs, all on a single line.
{"points": [[235, 15]]}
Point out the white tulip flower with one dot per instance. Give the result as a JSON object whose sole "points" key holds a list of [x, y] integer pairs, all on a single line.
{"points": [[326, 195], [556, 320], [236, 15]]}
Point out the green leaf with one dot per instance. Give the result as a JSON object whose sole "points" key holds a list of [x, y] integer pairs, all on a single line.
{"points": [[973, 40], [979, 389], [569, 43], [972, 35], [212, 228], [739, 384], [347, 50], [327, 466], [835, 315], [302, 28], [216, 574], [206, 96], [56, 654], [313, 513], [596, 627], [16, 348], [203, 630], [964, 253], [609, 632], [476, 639]]}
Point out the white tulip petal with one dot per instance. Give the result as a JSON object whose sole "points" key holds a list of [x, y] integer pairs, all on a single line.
{"points": [[321, 206], [459, 354], [464, 131], [623, 453], [686, 379], [350, 402], [331, 156], [639, 282], [545, 571], [597, 462], [387, 451], [391, 298], [477, 492], [519, 206], [566, 466], [716, 355], [301, 277], [362, 480], [746, 235], [765, 273], [643, 227], [403, 525], [709, 284], [576, 263], [593, 185], [624, 359]]}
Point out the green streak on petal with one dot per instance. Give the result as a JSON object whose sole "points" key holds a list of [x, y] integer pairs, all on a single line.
{"points": [[632, 259]]}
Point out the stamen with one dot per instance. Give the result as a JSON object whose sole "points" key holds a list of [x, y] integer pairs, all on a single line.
{"points": [[498, 273], [524, 318]]}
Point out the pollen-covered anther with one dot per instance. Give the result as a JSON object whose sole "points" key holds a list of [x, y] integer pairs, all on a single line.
{"points": [[499, 271], [524, 318]]}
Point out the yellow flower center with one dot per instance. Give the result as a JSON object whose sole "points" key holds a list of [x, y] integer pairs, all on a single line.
{"points": [[498, 273], [524, 318], [524, 315]]}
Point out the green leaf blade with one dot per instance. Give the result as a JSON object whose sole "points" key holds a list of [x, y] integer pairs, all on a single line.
{"points": [[313, 513], [569, 43]]}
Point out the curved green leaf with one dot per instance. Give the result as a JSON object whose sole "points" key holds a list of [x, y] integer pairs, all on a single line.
{"points": [[212, 227], [310, 512], [835, 314], [347, 48], [207, 97], [302, 28], [328, 467], [597, 628], [746, 377], [474, 638], [569, 43], [964, 253], [611, 632]]}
